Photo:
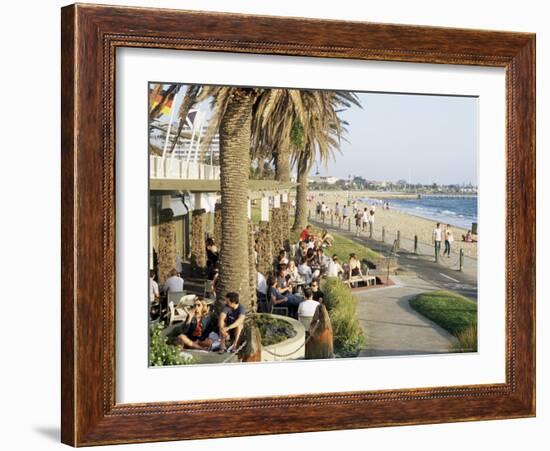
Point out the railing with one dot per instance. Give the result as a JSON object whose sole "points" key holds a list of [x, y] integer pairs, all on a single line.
{"points": [[400, 242], [176, 168]]}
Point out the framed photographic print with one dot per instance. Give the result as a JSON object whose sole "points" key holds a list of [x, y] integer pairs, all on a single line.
{"points": [[308, 224]]}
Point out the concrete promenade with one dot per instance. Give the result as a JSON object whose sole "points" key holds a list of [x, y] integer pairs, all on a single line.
{"points": [[392, 327]]}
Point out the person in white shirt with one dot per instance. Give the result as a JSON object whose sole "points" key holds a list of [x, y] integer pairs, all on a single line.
{"points": [[437, 240], [448, 240], [334, 267], [366, 217], [154, 294], [371, 215], [261, 283], [308, 306], [174, 283], [305, 271]]}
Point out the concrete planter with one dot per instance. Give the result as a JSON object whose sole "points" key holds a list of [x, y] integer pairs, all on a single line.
{"points": [[289, 346], [285, 350]]}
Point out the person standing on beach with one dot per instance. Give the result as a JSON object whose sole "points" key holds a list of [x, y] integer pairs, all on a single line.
{"points": [[448, 240], [437, 240], [337, 211]]}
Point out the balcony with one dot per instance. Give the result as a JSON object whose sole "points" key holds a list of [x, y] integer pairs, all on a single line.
{"points": [[178, 169]]}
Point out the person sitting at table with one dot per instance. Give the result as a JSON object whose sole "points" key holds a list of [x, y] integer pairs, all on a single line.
{"points": [[314, 263], [304, 270], [307, 307], [174, 283], [154, 294], [323, 260], [283, 279], [231, 321], [278, 299], [292, 271], [316, 291], [197, 326]]}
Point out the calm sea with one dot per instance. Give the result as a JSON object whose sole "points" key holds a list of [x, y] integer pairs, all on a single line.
{"points": [[460, 212]]}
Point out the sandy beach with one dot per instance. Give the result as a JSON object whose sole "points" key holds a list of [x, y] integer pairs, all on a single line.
{"points": [[393, 220]]}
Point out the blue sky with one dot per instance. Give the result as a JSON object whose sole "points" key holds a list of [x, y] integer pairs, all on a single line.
{"points": [[418, 138], [414, 137]]}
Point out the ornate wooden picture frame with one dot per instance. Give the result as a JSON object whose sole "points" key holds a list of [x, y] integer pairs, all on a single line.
{"points": [[90, 37]]}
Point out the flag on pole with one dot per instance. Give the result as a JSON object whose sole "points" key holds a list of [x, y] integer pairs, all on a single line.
{"points": [[163, 99]]}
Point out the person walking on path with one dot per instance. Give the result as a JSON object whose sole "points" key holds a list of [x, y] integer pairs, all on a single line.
{"points": [[371, 216], [448, 240], [358, 222], [365, 219], [437, 240], [337, 211], [345, 213]]}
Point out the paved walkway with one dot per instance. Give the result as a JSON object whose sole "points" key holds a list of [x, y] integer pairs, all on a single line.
{"points": [[392, 327]]}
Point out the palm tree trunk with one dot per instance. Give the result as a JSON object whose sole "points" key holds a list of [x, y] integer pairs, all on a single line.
{"points": [[167, 244], [252, 278], [198, 246], [282, 164], [300, 218], [234, 174]]}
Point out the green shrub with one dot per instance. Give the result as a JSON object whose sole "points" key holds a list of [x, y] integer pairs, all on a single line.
{"points": [[342, 310], [161, 353]]}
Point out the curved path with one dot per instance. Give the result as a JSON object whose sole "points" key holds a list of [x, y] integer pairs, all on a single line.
{"points": [[392, 327]]}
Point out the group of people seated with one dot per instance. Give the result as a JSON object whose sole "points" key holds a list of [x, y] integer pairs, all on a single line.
{"points": [[202, 331], [295, 283], [158, 294]]}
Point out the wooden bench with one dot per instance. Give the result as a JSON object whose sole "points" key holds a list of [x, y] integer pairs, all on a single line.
{"points": [[367, 280]]}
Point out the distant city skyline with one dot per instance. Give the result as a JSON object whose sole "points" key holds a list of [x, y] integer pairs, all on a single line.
{"points": [[420, 138]]}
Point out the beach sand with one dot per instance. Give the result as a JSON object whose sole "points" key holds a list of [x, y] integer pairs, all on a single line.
{"points": [[393, 220]]}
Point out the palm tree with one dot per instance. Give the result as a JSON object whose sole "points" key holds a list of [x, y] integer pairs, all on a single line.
{"points": [[319, 140], [233, 110], [272, 122]]}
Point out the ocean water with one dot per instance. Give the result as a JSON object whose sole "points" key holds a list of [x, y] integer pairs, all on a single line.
{"points": [[459, 212]]}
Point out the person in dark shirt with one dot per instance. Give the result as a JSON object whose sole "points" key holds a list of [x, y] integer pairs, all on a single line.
{"points": [[197, 326], [278, 298], [316, 290], [231, 320]]}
